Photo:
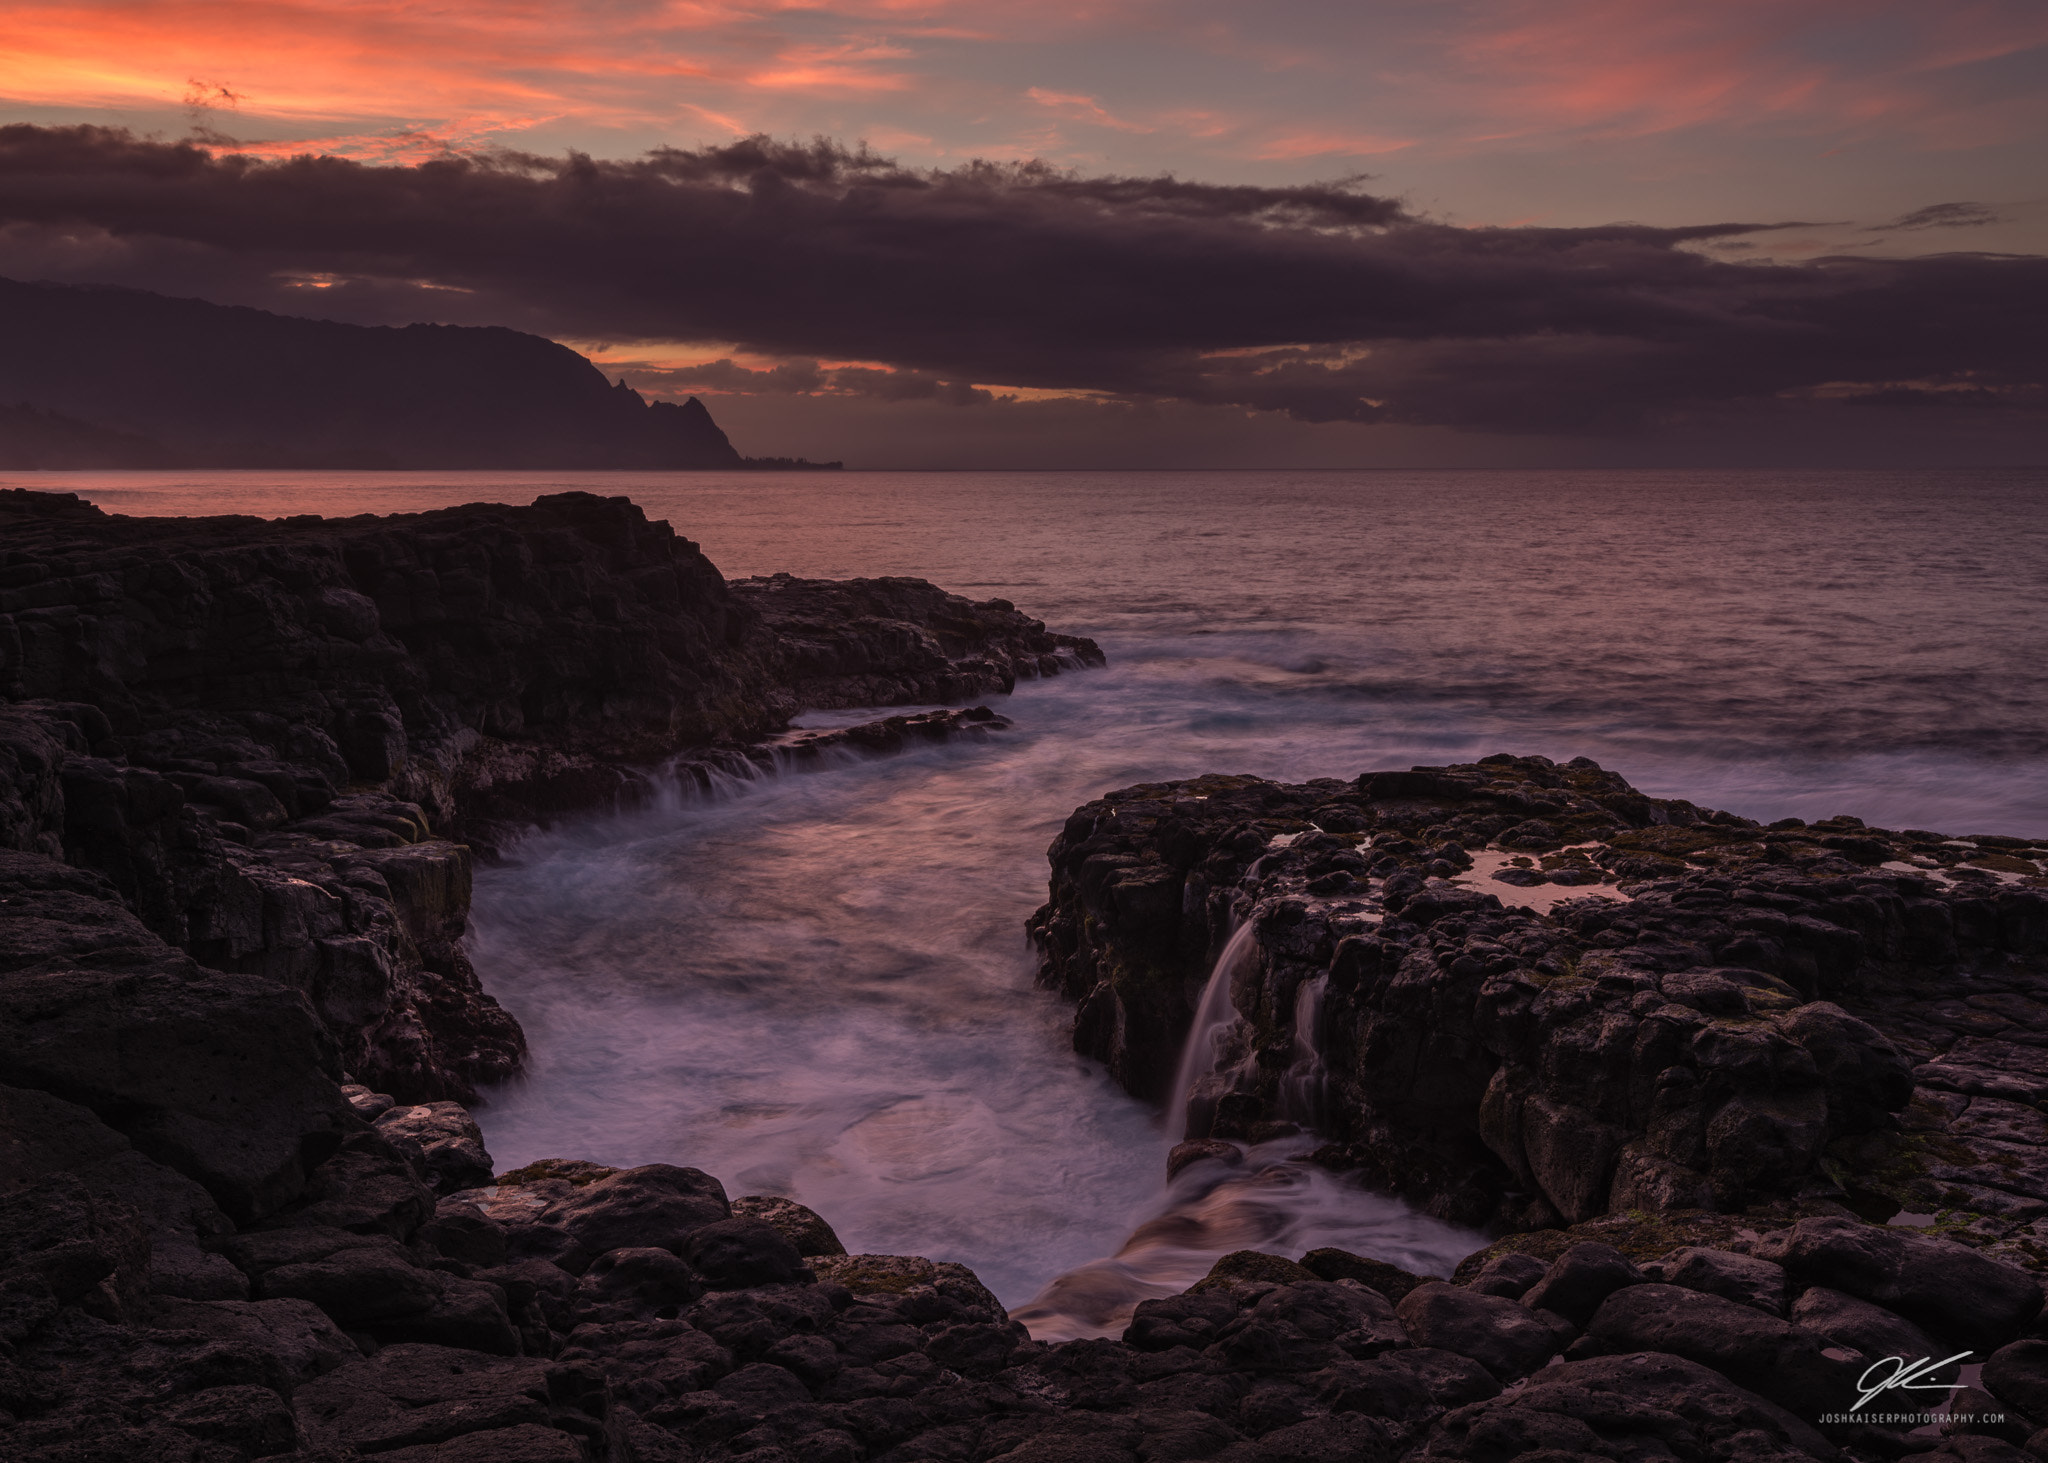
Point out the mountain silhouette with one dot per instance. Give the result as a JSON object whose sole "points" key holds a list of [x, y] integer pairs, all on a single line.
{"points": [[92, 376]]}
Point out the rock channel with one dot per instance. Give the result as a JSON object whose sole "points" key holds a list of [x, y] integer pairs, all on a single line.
{"points": [[244, 1212], [245, 767]]}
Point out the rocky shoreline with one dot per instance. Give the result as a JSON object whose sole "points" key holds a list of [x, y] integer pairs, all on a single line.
{"points": [[245, 767]]}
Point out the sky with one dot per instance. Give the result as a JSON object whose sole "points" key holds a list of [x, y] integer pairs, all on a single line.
{"points": [[921, 233]]}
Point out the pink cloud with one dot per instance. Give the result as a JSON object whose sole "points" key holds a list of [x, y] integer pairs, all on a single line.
{"points": [[1296, 82], [1294, 145], [1083, 109]]}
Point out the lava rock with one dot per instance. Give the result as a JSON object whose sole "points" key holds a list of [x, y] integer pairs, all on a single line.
{"points": [[1509, 1276], [225, 1078], [733, 1254], [1293, 1328], [1501, 1335], [1870, 1329], [1580, 1279], [1252, 1267], [297, 1333], [656, 1205], [461, 1231], [1973, 1411], [1741, 1278], [407, 1395], [1198, 1150], [525, 1442], [254, 1420], [1626, 1406], [1948, 1288], [1192, 1319], [636, 1285], [443, 1140], [1792, 1366], [2018, 1376], [1390, 1281], [803, 1228]]}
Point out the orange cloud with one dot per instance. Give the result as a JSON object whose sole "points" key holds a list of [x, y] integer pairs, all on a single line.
{"points": [[1082, 109], [1292, 83], [1635, 67], [500, 67]]}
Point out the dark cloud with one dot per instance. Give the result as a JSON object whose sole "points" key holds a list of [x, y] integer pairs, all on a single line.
{"points": [[1324, 302], [1941, 216]]}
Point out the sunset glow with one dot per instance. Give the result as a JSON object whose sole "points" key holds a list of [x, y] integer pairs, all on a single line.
{"points": [[1485, 214], [1006, 79]]}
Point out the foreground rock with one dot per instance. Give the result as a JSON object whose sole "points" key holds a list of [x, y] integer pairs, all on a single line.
{"points": [[572, 1312], [244, 770]]}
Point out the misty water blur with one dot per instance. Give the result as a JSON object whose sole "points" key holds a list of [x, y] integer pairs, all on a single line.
{"points": [[817, 985]]}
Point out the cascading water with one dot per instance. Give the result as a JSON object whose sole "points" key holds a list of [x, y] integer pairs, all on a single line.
{"points": [[1302, 1084], [1265, 1199], [1196, 1080]]}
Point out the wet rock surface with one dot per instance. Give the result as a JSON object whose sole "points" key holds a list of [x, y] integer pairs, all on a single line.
{"points": [[1666, 1009]]}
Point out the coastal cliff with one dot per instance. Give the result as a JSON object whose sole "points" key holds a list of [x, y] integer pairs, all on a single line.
{"points": [[246, 766], [100, 377]]}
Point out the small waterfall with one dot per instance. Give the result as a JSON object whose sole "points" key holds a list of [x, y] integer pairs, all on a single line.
{"points": [[1302, 1084], [688, 780], [1203, 1054]]}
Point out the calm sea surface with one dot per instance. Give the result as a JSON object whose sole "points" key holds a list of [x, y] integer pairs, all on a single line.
{"points": [[817, 985]]}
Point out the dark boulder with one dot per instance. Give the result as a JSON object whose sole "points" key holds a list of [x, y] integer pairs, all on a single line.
{"points": [[1501, 1335], [368, 1186], [1340, 1438], [1741, 1278], [1509, 1276], [1870, 1329], [1975, 1412], [471, 1314], [733, 1254], [461, 1231], [1202, 1150], [636, 1285], [229, 1079], [2018, 1376], [304, 1340], [1253, 1267], [408, 1395], [1580, 1279], [443, 1141], [1190, 1319], [1952, 1290], [1789, 1364], [1390, 1281], [803, 1228], [657, 1205], [1624, 1407], [358, 1286], [526, 1442], [1293, 1328]]}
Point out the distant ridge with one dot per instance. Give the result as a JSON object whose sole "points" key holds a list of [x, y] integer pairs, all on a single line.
{"points": [[92, 376]]}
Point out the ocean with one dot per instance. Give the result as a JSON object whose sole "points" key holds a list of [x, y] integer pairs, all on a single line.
{"points": [[817, 985]]}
